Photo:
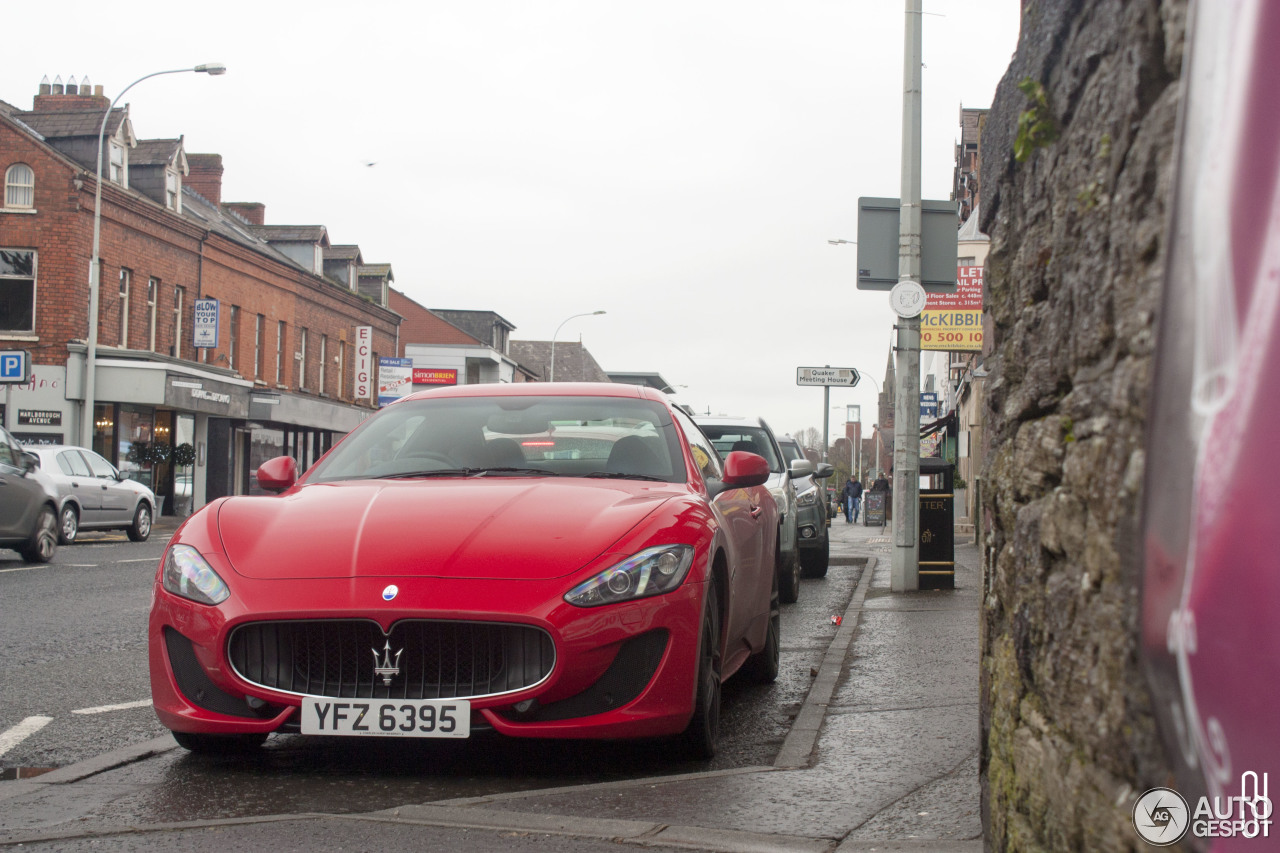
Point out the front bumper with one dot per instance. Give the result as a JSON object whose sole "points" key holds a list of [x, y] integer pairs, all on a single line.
{"points": [[620, 671]]}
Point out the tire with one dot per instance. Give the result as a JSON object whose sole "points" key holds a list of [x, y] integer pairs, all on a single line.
{"points": [[219, 744], [762, 667], [698, 741], [141, 527], [788, 577], [816, 561], [69, 526], [43, 543]]}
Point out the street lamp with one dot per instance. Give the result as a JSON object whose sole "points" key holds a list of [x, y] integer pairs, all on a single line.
{"points": [[557, 332], [91, 361], [876, 427]]}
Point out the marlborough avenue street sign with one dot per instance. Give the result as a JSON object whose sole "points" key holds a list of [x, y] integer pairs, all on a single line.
{"points": [[843, 376]]}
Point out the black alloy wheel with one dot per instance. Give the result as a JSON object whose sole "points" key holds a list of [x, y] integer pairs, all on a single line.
{"points": [[43, 543], [699, 738]]}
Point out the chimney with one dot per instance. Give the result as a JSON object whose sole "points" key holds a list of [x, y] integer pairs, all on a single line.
{"points": [[254, 211], [57, 98], [205, 176]]}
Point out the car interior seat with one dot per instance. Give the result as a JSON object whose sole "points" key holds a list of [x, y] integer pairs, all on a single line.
{"points": [[630, 455], [505, 453]]}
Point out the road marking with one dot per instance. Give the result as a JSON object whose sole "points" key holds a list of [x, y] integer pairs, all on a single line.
{"points": [[19, 569], [23, 730], [102, 709], [139, 560]]}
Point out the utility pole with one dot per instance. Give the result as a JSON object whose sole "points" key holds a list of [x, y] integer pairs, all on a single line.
{"points": [[906, 425]]}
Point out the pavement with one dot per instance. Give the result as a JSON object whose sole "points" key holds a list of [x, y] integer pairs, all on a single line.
{"points": [[882, 756]]}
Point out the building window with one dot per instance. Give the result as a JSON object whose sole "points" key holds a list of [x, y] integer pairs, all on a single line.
{"points": [[234, 343], [17, 291], [19, 186], [179, 297], [342, 370], [257, 346], [123, 338], [118, 173], [280, 353], [172, 192], [324, 349], [153, 287], [302, 358]]}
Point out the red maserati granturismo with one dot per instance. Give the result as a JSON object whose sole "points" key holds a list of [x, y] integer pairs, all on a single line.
{"points": [[540, 560]]}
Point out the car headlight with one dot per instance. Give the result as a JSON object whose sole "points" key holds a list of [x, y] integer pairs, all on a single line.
{"points": [[187, 574], [651, 572], [808, 497]]}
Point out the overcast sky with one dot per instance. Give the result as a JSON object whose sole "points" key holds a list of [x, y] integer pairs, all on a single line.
{"points": [[679, 164]]}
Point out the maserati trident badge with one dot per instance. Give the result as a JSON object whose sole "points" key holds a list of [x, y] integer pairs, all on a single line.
{"points": [[386, 667], [390, 592]]}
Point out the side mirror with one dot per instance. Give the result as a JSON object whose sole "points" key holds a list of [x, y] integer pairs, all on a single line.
{"points": [[823, 470], [278, 474], [745, 469], [29, 461], [801, 468]]}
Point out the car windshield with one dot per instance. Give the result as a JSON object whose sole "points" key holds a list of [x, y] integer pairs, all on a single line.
{"points": [[751, 439], [615, 437]]}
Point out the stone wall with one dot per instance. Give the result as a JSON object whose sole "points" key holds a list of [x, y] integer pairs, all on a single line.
{"points": [[1077, 232]]}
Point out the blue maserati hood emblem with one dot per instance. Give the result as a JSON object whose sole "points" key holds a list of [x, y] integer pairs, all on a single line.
{"points": [[390, 592]]}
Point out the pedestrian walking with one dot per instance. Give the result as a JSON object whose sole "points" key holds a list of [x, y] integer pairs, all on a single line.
{"points": [[846, 500], [857, 498]]}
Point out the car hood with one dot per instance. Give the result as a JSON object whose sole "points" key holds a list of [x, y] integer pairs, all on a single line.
{"points": [[513, 528]]}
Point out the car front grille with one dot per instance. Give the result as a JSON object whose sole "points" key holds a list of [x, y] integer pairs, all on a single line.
{"points": [[430, 659]]}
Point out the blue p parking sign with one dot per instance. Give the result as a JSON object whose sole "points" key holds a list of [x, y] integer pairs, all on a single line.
{"points": [[15, 366]]}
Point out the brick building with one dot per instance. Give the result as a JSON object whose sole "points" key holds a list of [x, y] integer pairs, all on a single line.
{"points": [[278, 373]]}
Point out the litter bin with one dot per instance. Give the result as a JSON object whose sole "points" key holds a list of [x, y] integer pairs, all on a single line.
{"points": [[937, 525]]}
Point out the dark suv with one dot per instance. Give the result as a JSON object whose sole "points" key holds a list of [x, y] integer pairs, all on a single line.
{"points": [[28, 504], [811, 511]]}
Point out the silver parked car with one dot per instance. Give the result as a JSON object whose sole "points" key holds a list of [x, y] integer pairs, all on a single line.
{"points": [[93, 495], [811, 511], [28, 504], [753, 435]]}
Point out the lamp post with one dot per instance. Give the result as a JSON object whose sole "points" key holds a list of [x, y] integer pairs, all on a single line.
{"points": [[91, 359], [876, 426], [557, 332]]}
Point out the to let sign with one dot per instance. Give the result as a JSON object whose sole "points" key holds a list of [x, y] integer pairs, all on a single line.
{"points": [[204, 331], [827, 376]]}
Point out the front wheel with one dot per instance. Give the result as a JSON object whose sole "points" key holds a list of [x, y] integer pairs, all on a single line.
{"points": [[788, 571], [699, 738], [762, 667], [219, 744], [141, 527], [43, 543], [817, 560], [70, 525]]}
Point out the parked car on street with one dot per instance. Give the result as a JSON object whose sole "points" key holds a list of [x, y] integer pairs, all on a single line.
{"points": [[28, 504], [94, 495], [549, 560], [811, 511], [752, 434]]}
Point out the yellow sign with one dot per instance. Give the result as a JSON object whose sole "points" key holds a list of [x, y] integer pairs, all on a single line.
{"points": [[952, 322]]}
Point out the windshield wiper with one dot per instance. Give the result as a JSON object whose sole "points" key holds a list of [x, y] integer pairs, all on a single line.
{"points": [[620, 475], [480, 472]]}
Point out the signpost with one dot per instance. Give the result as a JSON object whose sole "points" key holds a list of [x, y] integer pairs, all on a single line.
{"points": [[846, 377], [15, 369]]}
